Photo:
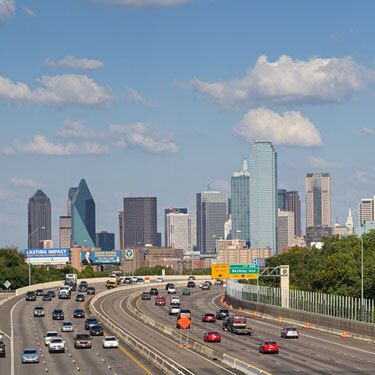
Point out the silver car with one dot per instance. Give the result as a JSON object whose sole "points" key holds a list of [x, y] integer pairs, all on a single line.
{"points": [[67, 327], [30, 355]]}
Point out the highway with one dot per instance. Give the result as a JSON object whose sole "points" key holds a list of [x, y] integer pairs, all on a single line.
{"points": [[29, 332]]}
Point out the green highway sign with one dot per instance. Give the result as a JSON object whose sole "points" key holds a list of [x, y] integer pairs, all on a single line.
{"points": [[129, 253], [243, 271]]}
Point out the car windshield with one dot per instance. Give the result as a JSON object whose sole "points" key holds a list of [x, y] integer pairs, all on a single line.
{"points": [[57, 340], [78, 311], [58, 311], [270, 342], [39, 308], [96, 327], [83, 337], [110, 338], [29, 352], [291, 329], [52, 334], [210, 315], [67, 324]]}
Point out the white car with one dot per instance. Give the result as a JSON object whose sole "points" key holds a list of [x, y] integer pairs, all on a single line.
{"points": [[289, 332], [56, 345], [110, 342], [174, 310], [175, 300], [67, 327], [49, 336], [134, 279], [172, 290], [160, 279]]}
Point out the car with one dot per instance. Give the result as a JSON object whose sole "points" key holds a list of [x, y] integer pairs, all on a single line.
{"points": [[52, 293], [219, 282], [96, 330], [2, 349], [83, 285], [186, 292], [46, 297], [160, 301], [222, 314], [174, 310], [191, 278], [205, 282], [30, 296], [206, 287], [154, 291], [212, 336], [269, 346], [82, 341], [56, 345], [175, 300], [90, 290], [127, 280], [90, 321], [160, 279], [172, 290], [39, 292], [191, 284], [80, 297], [49, 336], [167, 285], [134, 279], [67, 327], [58, 314], [208, 318], [146, 296], [39, 311], [110, 342], [79, 313], [30, 355], [140, 281], [289, 332]]}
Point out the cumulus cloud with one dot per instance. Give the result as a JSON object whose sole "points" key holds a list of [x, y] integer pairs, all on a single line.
{"points": [[145, 137], [318, 162], [75, 63], [77, 129], [7, 8], [290, 128], [40, 145], [25, 182], [28, 11], [317, 80], [144, 3], [59, 90]]}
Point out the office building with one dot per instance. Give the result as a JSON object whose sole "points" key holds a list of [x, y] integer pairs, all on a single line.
{"points": [[169, 211], [65, 231], [105, 240], [240, 201], [140, 221], [192, 233], [177, 230], [263, 196], [71, 193], [366, 211], [317, 234], [282, 199], [83, 216], [39, 219], [294, 205], [121, 229], [211, 216], [285, 229]]}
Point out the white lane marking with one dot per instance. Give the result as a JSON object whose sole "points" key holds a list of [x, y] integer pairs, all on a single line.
{"points": [[12, 338], [304, 334]]}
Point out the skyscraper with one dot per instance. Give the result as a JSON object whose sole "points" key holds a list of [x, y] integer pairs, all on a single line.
{"points": [[65, 231], [83, 216], [211, 216], [366, 211], [168, 211], [294, 205], [121, 229], [318, 199], [39, 219], [140, 221], [105, 240], [177, 230], [192, 233], [263, 196], [240, 192], [285, 229], [282, 199]]}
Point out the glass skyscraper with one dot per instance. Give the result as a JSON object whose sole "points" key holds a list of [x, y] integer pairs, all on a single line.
{"points": [[263, 196], [83, 216], [240, 201]]}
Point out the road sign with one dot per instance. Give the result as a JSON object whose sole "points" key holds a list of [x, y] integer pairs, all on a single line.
{"points": [[255, 261], [129, 253], [219, 271], [243, 271], [7, 284], [184, 322]]}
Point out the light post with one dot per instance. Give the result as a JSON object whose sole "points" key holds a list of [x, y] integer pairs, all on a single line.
{"points": [[35, 230], [362, 299]]}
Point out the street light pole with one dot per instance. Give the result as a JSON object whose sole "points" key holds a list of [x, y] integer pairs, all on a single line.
{"points": [[362, 299], [35, 230]]}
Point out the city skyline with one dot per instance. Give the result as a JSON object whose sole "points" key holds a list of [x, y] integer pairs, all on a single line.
{"points": [[165, 105]]}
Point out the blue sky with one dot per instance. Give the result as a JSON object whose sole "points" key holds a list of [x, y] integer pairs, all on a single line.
{"points": [[155, 97]]}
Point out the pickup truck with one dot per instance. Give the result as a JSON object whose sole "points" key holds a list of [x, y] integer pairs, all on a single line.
{"points": [[236, 324]]}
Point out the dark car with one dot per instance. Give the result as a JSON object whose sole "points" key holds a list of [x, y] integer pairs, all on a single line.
{"points": [[46, 297], [222, 314], [58, 314], [82, 340], [52, 293], [191, 284], [168, 285], [30, 296], [146, 296], [2, 349], [154, 291], [80, 297], [96, 330], [78, 313], [83, 285], [39, 292], [90, 290], [90, 321], [128, 280]]}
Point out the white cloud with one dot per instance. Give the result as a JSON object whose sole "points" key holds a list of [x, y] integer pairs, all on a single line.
{"points": [[145, 137], [60, 90], [144, 3], [39, 145], [366, 131], [136, 97], [28, 11], [365, 177], [318, 162], [27, 182], [317, 80], [7, 8], [78, 130], [290, 128], [75, 63]]}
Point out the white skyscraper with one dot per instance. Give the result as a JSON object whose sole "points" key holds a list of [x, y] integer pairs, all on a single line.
{"points": [[365, 211], [177, 231]]}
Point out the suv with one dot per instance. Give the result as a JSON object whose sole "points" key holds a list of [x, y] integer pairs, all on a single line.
{"points": [[83, 285], [167, 285], [191, 284], [172, 290], [80, 297], [58, 314], [56, 345], [49, 336], [78, 313], [96, 330], [47, 297], [30, 296], [222, 314], [90, 321], [82, 340], [39, 292], [39, 311], [291, 332], [90, 290], [154, 291], [175, 300], [146, 296]]}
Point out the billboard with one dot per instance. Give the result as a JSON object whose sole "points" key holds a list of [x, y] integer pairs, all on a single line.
{"points": [[47, 256], [101, 257]]}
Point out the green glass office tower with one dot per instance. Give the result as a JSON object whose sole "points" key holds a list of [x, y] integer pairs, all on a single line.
{"points": [[263, 196], [83, 216]]}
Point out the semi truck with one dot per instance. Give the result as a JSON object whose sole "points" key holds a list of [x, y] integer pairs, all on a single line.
{"points": [[236, 324]]}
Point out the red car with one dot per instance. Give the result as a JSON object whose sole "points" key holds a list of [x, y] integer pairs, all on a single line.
{"points": [[269, 346], [212, 337], [160, 301], [209, 318]]}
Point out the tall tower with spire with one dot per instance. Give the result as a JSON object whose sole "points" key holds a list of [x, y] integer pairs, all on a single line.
{"points": [[349, 222]]}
